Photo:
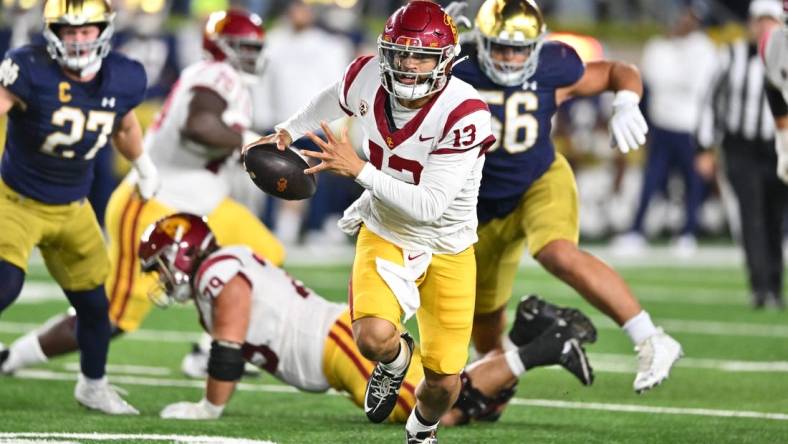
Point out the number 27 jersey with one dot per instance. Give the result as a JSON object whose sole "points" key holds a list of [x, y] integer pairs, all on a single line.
{"points": [[53, 138]]}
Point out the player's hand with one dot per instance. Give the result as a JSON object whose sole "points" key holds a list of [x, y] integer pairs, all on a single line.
{"points": [[148, 182], [456, 10], [628, 127], [281, 138], [192, 410], [337, 155], [782, 167]]}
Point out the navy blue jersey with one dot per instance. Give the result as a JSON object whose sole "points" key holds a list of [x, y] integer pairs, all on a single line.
{"points": [[52, 140], [522, 123]]}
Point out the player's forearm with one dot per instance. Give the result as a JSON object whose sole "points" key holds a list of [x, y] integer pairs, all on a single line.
{"points": [[324, 107], [625, 76], [7, 101], [427, 201], [207, 129], [128, 138]]}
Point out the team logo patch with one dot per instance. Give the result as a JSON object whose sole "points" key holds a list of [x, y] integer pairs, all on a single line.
{"points": [[175, 226], [281, 185], [9, 72], [363, 107]]}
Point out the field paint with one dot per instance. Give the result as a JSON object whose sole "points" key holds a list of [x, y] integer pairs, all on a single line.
{"points": [[630, 408], [548, 403], [125, 369], [202, 439], [618, 363]]}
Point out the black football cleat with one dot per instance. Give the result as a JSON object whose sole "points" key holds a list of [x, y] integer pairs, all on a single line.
{"points": [[383, 387], [534, 316], [428, 437], [558, 346]]}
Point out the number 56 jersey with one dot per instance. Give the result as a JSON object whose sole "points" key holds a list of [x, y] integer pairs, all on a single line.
{"points": [[288, 322], [53, 137]]}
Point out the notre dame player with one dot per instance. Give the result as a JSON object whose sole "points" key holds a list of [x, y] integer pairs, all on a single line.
{"points": [[65, 101], [528, 196]]}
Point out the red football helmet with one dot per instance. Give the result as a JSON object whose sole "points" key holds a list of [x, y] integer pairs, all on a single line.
{"points": [[236, 36], [417, 31], [173, 247]]}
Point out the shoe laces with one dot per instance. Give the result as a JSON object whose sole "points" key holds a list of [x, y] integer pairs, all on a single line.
{"points": [[383, 386]]}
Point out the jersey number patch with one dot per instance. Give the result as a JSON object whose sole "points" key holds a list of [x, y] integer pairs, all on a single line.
{"points": [[97, 121], [395, 162], [519, 130]]}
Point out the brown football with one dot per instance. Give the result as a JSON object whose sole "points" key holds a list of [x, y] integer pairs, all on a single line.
{"points": [[279, 173]]}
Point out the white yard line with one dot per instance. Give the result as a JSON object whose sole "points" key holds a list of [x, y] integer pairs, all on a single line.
{"points": [[547, 403], [201, 439]]}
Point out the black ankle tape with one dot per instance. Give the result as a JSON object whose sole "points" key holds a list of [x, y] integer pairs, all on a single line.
{"points": [[423, 421]]}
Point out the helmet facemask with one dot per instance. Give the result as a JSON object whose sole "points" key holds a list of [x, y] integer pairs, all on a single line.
{"points": [[244, 54], [172, 285], [83, 58], [508, 73], [406, 84]]}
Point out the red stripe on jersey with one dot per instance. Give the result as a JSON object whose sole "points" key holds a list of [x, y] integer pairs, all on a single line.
{"points": [[121, 255], [133, 263], [350, 75], [484, 146], [393, 139], [209, 262], [344, 327], [465, 108], [345, 110], [349, 352]]}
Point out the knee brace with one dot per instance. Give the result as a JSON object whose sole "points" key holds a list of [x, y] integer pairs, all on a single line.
{"points": [[226, 362], [11, 280]]}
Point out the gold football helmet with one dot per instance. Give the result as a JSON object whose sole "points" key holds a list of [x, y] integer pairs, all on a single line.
{"points": [[83, 58], [509, 25]]}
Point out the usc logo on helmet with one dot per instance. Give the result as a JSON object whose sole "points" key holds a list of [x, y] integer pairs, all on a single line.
{"points": [[173, 225]]}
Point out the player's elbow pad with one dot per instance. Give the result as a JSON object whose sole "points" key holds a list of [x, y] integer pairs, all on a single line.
{"points": [[226, 362]]}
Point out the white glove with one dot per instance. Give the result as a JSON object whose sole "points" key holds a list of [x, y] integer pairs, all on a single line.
{"points": [[192, 410], [455, 10], [781, 146], [148, 182], [627, 126]]}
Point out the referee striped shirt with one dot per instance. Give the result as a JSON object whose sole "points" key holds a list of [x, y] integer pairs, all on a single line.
{"points": [[736, 105]]}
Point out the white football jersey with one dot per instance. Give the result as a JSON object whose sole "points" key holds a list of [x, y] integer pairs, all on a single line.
{"points": [[774, 51], [191, 173], [438, 154], [289, 323]]}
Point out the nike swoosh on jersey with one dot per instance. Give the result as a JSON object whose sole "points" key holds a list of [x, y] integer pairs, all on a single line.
{"points": [[410, 258], [424, 139]]}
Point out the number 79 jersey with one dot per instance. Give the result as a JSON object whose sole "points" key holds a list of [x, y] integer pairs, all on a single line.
{"points": [[522, 123], [440, 150], [288, 322], [53, 138]]}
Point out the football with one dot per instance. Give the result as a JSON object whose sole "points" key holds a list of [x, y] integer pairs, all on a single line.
{"points": [[279, 173]]}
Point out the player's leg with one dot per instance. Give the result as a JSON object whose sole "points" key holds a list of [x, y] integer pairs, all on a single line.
{"points": [[376, 315], [445, 320], [348, 371], [77, 259], [127, 287], [498, 253], [551, 226], [234, 224], [20, 230]]}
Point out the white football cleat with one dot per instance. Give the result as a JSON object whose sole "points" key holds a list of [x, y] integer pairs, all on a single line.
{"points": [[99, 395], [656, 356]]}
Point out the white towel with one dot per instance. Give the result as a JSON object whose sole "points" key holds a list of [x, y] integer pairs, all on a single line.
{"points": [[401, 279]]}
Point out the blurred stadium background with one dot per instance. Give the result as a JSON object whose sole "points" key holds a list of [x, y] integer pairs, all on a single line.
{"points": [[731, 388]]}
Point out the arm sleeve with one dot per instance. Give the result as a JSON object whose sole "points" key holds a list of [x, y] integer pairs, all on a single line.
{"points": [[325, 106], [15, 78], [442, 179]]}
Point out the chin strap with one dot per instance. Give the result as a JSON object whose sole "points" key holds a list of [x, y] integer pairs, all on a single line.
{"points": [[458, 61]]}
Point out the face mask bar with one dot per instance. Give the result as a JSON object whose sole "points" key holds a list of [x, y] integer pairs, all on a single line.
{"points": [[425, 83], [244, 54], [81, 57], [507, 73], [171, 286]]}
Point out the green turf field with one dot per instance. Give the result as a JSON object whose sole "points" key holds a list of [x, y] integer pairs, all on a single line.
{"points": [[732, 386]]}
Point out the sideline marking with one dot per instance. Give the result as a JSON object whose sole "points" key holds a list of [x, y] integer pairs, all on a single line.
{"points": [[201, 439], [548, 403]]}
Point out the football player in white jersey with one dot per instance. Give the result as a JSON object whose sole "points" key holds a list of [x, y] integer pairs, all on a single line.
{"points": [[255, 312], [425, 137], [774, 51], [193, 143]]}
